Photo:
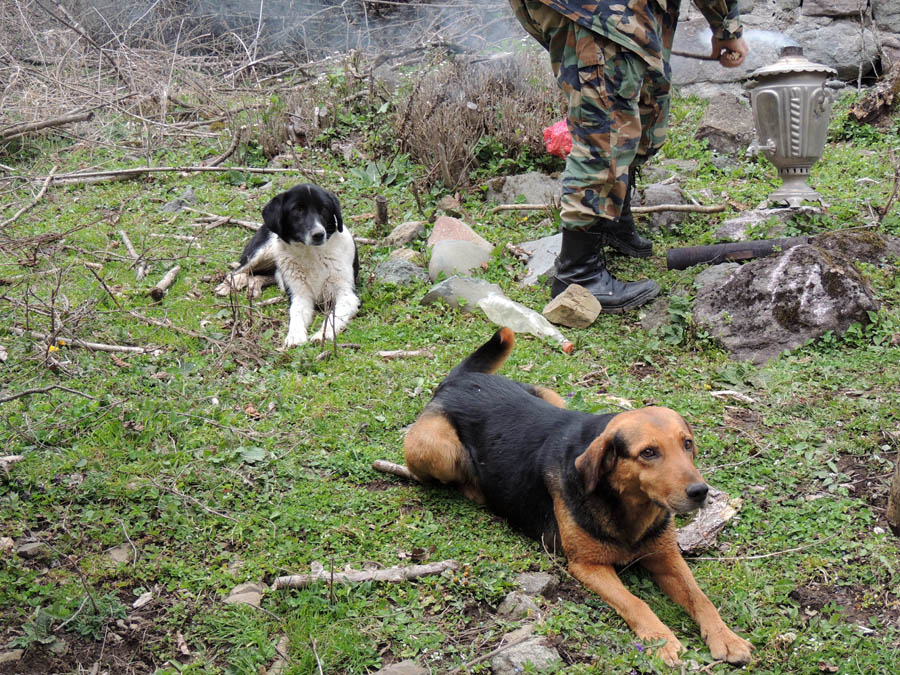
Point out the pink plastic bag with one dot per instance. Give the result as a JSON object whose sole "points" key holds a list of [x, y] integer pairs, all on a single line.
{"points": [[557, 139]]}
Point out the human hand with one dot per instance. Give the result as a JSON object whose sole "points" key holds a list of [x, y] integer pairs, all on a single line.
{"points": [[729, 53]]}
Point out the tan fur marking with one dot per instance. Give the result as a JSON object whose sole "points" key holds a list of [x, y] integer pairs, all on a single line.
{"points": [[550, 396], [434, 453]]}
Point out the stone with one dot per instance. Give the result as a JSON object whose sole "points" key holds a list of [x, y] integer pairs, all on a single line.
{"points": [[461, 292], [6, 544], [536, 652], [398, 272], [715, 275], [667, 170], [405, 233], [32, 549], [453, 229], [186, 198], [122, 553], [517, 605], [854, 8], [886, 14], [575, 307], [457, 257], [537, 583], [11, 656], [727, 125], [535, 187], [845, 46], [706, 523], [859, 245], [403, 668], [656, 314], [543, 258], [780, 302], [450, 205], [766, 223], [407, 254], [246, 594], [657, 194]]}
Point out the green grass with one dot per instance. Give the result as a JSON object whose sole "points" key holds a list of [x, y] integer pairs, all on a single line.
{"points": [[224, 459]]}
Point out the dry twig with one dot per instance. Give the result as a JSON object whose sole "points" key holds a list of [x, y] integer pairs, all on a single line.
{"points": [[141, 270], [405, 354], [84, 344], [400, 470], [33, 201], [395, 574], [21, 129], [684, 208]]}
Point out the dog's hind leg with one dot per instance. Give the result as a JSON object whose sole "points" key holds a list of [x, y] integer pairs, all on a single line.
{"points": [[434, 453], [550, 396]]}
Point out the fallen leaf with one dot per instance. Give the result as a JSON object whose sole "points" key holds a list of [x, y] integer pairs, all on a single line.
{"points": [[251, 411], [143, 600], [3, 354], [182, 644]]}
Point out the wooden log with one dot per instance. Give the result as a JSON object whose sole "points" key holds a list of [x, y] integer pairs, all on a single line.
{"points": [[159, 291]]}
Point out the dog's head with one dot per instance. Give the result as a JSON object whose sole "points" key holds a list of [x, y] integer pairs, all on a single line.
{"points": [[646, 454], [305, 214]]}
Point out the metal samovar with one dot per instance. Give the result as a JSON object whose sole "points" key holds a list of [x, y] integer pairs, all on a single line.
{"points": [[791, 110]]}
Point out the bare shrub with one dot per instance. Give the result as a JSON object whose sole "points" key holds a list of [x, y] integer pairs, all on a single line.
{"points": [[456, 109]]}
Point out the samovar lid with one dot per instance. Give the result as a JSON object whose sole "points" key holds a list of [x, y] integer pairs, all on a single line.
{"points": [[791, 61]]}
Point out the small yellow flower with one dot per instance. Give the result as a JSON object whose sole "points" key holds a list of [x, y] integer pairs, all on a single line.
{"points": [[52, 348], [61, 342]]}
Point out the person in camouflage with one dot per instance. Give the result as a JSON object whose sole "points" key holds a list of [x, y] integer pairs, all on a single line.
{"points": [[611, 59]]}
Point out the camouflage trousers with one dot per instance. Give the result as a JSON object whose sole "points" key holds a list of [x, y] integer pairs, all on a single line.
{"points": [[618, 111]]}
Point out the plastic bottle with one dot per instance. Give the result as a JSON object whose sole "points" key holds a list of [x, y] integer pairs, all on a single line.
{"points": [[505, 312]]}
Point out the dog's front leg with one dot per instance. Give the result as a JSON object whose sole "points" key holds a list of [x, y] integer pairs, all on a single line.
{"points": [[301, 314], [603, 580], [346, 304], [674, 577]]}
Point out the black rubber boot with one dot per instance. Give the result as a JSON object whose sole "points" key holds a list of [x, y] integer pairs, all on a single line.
{"points": [[581, 261], [621, 234]]}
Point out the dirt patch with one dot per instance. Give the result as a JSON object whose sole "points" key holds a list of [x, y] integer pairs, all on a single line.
{"points": [[641, 370], [380, 485], [126, 657], [856, 604], [866, 481]]}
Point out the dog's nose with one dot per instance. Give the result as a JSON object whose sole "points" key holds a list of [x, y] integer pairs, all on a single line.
{"points": [[698, 491], [318, 237]]}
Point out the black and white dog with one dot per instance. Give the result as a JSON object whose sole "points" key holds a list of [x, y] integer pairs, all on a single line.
{"points": [[303, 241]]}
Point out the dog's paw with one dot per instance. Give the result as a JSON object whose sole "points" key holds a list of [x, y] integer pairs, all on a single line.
{"points": [[294, 339], [724, 645], [669, 652], [322, 335]]}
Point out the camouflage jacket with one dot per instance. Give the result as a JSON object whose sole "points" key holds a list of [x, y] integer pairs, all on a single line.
{"points": [[647, 26]]}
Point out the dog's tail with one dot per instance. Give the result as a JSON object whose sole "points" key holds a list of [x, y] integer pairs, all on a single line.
{"points": [[490, 356]]}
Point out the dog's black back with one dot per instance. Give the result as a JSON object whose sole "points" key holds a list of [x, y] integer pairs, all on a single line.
{"points": [[493, 415]]}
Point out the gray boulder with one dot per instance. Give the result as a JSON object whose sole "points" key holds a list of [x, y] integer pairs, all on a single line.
{"points": [[543, 258], [512, 661], [451, 257], [727, 125], [663, 193], [778, 303], [535, 187], [399, 272]]}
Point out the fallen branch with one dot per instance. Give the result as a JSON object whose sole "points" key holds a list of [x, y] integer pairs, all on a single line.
{"points": [[685, 208], [141, 270], [112, 174], [405, 354], [223, 220], [730, 393], [400, 470], [33, 201], [893, 507], [9, 460], [84, 344], [39, 390], [159, 291], [21, 129], [391, 574], [238, 134]]}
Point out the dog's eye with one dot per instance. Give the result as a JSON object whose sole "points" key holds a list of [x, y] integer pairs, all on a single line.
{"points": [[649, 453], [688, 444]]}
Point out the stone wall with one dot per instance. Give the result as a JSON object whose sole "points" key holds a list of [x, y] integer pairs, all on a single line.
{"points": [[858, 38]]}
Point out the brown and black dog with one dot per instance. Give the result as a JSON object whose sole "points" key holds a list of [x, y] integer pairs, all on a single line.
{"points": [[602, 488]]}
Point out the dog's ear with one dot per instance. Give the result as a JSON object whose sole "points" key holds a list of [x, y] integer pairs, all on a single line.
{"points": [[336, 208], [598, 460], [272, 213]]}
